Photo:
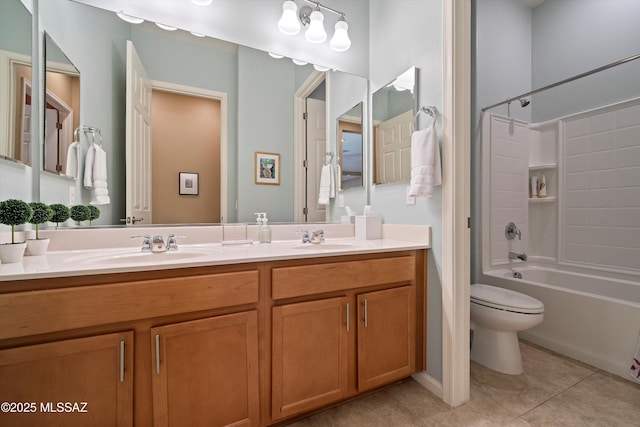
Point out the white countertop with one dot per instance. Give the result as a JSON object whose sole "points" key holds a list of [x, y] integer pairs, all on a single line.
{"points": [[127, 259]]}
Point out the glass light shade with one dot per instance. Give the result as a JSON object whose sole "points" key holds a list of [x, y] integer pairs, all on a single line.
{"points": [[166, 27], [340, 40], [320, 68], [202, 2], [275, 55], [129, 18], [316, 33], [299, 62], [288, 23]]}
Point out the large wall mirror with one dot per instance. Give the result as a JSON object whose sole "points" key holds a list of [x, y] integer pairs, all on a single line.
{"points": [[253, 95], [394, 108], [15, 81], [350, 148], [61, 109]]}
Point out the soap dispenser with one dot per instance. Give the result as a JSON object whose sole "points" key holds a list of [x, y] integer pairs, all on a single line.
{"points": [[264, 230]]}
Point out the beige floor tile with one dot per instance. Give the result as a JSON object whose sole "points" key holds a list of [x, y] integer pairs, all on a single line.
{"points": [[545, 375], [600, 400]]}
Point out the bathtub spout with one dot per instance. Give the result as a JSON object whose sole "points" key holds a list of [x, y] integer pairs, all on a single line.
{"points": [[514, 255]]}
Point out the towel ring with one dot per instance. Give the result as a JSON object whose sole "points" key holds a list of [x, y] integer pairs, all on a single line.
{"points": [[431, 111]]}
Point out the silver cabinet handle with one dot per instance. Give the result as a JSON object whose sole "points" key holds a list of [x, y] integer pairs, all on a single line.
{"points": [[158, 354], [366, 313], [348, 320], [122, 361]]}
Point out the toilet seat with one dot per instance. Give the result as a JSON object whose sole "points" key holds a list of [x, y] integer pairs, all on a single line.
{"points": [[504, 299]]}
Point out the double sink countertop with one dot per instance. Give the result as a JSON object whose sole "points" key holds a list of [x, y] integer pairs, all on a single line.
{"points": [[62, 261]]}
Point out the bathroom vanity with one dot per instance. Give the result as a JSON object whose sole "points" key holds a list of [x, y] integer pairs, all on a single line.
{"points": [[253, 342]]}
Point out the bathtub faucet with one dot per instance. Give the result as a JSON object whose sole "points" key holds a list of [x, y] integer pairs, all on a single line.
{"points": [[515, 255]]}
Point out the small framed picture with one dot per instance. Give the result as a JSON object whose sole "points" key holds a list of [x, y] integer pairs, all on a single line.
{"points": [[188, 183], [267, 168]]}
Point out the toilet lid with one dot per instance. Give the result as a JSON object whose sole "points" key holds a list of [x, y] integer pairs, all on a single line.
{"points": [[505, 299]]}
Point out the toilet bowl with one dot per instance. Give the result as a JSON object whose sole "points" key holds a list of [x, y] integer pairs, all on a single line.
{"points": [[497, 315]]}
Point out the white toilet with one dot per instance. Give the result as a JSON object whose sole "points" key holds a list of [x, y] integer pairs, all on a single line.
{"points": [[498, 314]]}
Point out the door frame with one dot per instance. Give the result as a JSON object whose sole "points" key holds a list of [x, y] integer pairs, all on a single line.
{"points": [[222, 97], [299, 138]]}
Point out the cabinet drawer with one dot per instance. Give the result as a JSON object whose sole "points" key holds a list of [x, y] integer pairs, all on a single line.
{"points": [[288, 282], [38, 312]]}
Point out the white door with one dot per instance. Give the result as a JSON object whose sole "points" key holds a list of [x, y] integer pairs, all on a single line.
{"points": [[138, 141], [393, 149], [316, 150]]}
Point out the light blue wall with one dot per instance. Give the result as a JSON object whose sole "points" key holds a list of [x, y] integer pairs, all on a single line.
{"points": [[15, 27], [574, 36], [266, 89], [416, 40], [502, 69]]}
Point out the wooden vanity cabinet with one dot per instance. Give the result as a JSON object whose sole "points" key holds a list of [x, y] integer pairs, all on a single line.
{"points": [[77, 382], [205, 372], [353, 331]]}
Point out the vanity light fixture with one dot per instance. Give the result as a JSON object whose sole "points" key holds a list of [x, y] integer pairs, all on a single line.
{"points": [[128, 18], [288, 23], [166, 27], [313, 19], [202, 2]]}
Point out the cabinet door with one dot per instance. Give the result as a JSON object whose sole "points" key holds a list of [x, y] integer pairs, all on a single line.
{"points": [[80, 382], [309, 355], [386, 336], [205, 372]]}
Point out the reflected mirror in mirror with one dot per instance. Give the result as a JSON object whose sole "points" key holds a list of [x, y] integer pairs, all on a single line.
{"points": [[61, 109], [350, 148], [393, 120], [15, 90]]}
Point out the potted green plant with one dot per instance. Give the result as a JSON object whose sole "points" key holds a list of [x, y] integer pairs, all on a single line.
{"points": [[13, 212], [41, 214], [94, 213], [61, 213], [80, 213]]}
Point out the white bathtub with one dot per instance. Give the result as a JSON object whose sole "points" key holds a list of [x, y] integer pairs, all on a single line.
{"points": [[594, 319]]}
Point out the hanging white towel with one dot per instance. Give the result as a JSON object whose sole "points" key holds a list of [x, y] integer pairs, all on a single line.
{"points": [[327, 185], [72, 169], [95, 175], [634, 370], [425, 162]]}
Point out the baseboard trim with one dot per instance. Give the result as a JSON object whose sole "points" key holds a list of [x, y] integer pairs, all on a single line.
{"points": [[428, 382]]}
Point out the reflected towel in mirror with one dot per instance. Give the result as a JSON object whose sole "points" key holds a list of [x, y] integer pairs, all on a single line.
{"points": [[327, 185], [72, 168], [95, 175], [425, 162]]}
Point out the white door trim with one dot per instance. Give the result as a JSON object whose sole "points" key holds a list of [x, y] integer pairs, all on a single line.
{"points": [[223, 98], [456, 200], [299, 135]]}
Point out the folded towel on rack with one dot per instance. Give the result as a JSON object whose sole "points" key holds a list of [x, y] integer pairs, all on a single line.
{"points": [[327, 185], [95, 175], [72, 168], [425, 162]]}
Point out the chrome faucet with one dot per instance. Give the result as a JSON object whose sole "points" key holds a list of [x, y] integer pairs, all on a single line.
{"points": [[314, 237], [515, 255], [172, 244], [146, 242], [157, 244]]}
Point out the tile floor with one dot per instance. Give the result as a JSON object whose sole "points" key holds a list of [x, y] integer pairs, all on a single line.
{"points": [[553, 391]]}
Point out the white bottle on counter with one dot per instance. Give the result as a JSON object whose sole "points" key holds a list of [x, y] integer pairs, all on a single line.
{"points": [[534, 186], [264, 230]]}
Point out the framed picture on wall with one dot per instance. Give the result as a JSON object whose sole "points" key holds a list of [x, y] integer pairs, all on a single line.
{"points": [[188, 183], [267, 168]]}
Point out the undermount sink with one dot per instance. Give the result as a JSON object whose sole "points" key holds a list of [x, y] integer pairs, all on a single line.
{"points": [[324, 246], [139, 257]]}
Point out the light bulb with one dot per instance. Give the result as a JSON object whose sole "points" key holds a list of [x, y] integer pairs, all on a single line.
{"points": [[340, 40], [288, 23], [316, 33], [129, 18]]}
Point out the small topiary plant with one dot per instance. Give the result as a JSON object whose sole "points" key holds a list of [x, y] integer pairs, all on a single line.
{"points": [[80, 213], [41, 214], [14, 212], [94, 213], [61, 213]]}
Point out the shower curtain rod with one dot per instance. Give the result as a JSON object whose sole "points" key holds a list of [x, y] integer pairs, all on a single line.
{"points": [[570, 79]]}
